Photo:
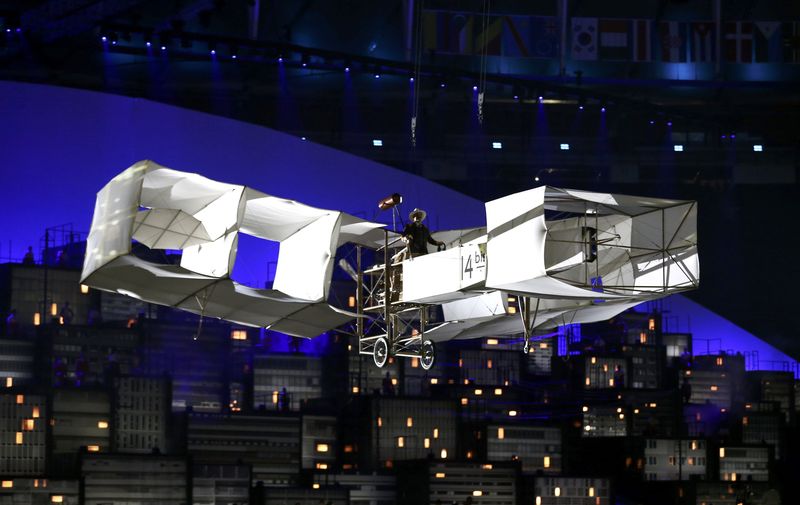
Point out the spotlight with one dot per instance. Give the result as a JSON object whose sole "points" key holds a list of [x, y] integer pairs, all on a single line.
{"points": [[378, 76], [564, 147], [280, 59], [410, 79], [733, 135], [234, 52], [536, 178], [442, 85], [103, 38], [541, 99], [390, 201], [723, 136], [302, 138], [377, 142], [346, 69], [304, 59], [652, 122], [580, 107], [669, 123], [148, 44], [497, 145], [163, 48], [678, 148], [212, 48], [474, 88], [758, 148], [602, 109]]}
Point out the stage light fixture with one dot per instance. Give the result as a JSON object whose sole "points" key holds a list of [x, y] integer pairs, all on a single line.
{"points": [[564, 147], [377, 142], [410, 79], [234, 52], [304, 59], [678, 148], [212, 48], [669, 123], [474, 88], [390, 201], [758, 148], [497, 145]]}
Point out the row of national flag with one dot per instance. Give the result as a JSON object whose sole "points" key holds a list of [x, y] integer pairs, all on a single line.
{"points": [[639, 40]]}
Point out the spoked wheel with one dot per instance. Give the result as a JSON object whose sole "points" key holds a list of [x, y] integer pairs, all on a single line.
{"points": [[380, 353], [427, 355], [527, 347]]}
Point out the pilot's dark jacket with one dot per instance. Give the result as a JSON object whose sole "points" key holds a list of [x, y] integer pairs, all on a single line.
{"points": [[420, 237]]}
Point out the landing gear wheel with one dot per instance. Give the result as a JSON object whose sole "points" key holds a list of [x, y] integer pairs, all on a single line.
{"points": [[427, 355], [527, 347], [380, 353]]}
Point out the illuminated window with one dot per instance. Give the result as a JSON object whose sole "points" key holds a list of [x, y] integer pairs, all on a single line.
{"points": [[414, 362], [538, 500], [512, 413], [93, 448], [20, 399], [54, 309], [460, 362], [488, 363], [322, 447], [27, 425], [239, 334], [18, 438], [487, 466], [56, 498], [8, 483], [651, 324], [643, 338], [84, 289], [436, 433], [622, 416], [714, 388], [426, 443], [721, 452], [512, 310], [355, 389], [733, 476], [543, 345], [652, 405], [409, 422], [348, 448], [380, 422], [464, 401], [469, 454], [594, 360], [315, 485], [351, 301], [103, 425], [478, 392], [591, 492], [275, 397], [37, 319], [443, 454], [492, 341], [605, 367], [690, 461], [394, 381], [498, 392], [611, 382], [547, 461], [434, 381], [719, 361], [322, 466], [694, 445], [35, 413], [635, 411], [557, 491], [440, 475], [401, 441], [588, 382], [477, 492], [501, 433]]}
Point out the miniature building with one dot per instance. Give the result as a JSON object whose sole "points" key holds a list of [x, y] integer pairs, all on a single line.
{"points": [[716, 380], [489, 368], [319, 447], [141, 411], [675, 459], [600, 372], [220, 484], [80, 422], [740, 463], [39, 491], [573, 490], [768, 386], [434, 482], [270, 444], [23, 419], [764, 428], [299, 374], [537, 448], [85, 355], [604, 421], [363, 489], [16, 361], [110, 478], [647, 365]]}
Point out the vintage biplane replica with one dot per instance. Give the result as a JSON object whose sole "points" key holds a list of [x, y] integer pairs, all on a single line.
{"points": [[562, 256]]}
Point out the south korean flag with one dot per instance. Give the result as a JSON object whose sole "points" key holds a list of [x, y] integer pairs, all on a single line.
{"points": [[584, 38]]}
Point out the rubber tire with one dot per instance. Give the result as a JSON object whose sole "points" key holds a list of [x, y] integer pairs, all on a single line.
{"points": [[427, 355], [380, 353]]}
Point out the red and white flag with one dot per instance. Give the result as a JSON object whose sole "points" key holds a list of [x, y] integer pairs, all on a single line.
{"points": [[738, 42], [702, 48]]}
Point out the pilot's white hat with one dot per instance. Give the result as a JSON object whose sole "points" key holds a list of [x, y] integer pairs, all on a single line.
{"points": [[418, 212]]}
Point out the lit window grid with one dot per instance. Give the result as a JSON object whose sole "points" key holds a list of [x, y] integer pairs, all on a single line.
{"points": [[23, 449], [532, 444], [664, 459], [571, 490], [431, 420]]}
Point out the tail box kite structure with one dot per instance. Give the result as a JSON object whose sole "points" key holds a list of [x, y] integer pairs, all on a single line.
{"points": [[564, 256]]}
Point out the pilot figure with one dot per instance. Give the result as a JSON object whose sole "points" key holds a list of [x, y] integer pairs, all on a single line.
{"points": [[417, 235]]}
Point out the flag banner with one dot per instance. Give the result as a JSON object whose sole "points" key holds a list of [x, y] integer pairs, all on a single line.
{"points": [[767, 41], [642, 40], [614, 36], [516, 36], [738, 41], [584, 38], [544, 41], [702, 46], [448, 32], [790, 36], [488, 38], [672, 41]]}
